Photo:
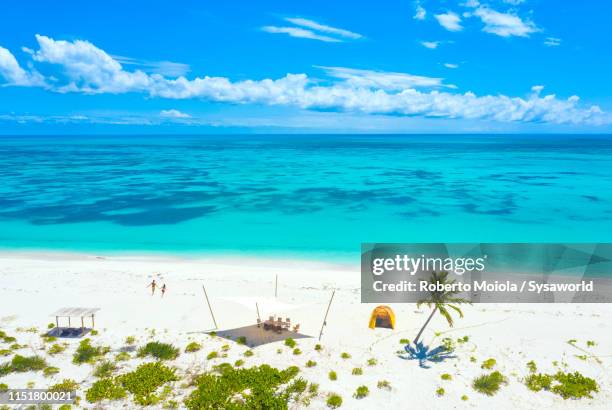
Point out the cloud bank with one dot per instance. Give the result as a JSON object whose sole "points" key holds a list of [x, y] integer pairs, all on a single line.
{"points": [[81, 67]]}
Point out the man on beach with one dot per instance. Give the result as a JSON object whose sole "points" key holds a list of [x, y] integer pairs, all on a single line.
{"points": [[153, 285]]}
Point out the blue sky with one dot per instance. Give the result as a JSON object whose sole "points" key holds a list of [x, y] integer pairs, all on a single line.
{"points": [[305, 66]]}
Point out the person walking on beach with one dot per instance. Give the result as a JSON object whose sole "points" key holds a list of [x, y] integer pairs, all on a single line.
{"points": [[153, 285], [163, 290]]}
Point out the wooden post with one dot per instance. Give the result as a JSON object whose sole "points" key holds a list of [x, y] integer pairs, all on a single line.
{"points": [[257, 307], [93, 323], [325, 318], [82, 325], [276, 287], [57, 322], [209, 307], [69, 325]]}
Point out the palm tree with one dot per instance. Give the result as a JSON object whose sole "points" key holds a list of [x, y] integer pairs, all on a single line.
{"points": [[441, 301]]}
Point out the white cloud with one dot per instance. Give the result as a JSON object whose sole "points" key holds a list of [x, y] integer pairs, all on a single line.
{"points": [[504, 24], [450, 21], [420, 12], [165, 68], [383, 80], [89, 69], [552, 41], [432, 45], [300, 33], [174, 114], [13, 74], [450, 65], [514, 2], [323, 28]]}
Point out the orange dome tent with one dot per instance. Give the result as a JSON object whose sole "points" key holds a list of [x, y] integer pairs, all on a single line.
{"points": [[382, 316]]}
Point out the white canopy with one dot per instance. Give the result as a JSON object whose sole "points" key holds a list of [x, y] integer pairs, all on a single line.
{"points": [[268, 306]]}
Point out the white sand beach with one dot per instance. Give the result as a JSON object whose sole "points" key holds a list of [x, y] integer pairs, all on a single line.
{"points": [[34, 285]]}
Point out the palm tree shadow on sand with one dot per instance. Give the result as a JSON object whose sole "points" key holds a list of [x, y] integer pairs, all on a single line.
{"points": [[426, 355]]}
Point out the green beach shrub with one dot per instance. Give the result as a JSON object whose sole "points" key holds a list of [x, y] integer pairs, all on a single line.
{"points": [[318, 347], [5, 352], [193, 347], [361, 392], [225, 348], [212, 355], [383, 384], [290, 342], [334, 401], [238, 362], [50, 371], [130, 340], [404, 341], [297, 351], [446, 376], [21, 364], [122, 356], [161, 351], [333, 376], [345, 355], [105, 369], [532, 367], [223, 388], [66, 385], [56, 349], [489, 384], [249, 353], [464, 398], [297, 387], [567, 385], [105, 389], [145, 380], [242, 340], [86, 353], [3, 387], [440, 392], [372, 362], [311, 363], [488, 364], [357, 371]]}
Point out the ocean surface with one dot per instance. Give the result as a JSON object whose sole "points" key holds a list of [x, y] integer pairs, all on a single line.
{"points": [[311, 196]]}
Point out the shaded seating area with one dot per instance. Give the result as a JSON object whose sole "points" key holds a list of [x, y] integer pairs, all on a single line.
{"points": [[256, 335], [70, 315]]}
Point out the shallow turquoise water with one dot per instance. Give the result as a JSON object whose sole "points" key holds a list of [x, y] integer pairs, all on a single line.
{"points": [[318, 196]]}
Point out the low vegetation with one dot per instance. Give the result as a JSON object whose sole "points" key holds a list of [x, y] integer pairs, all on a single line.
{"points": [[446, 376], [66, 385], [311, 363], [361, 392], [567, 385], [489, 384], [161, 351], [290, 342], [105, 369], [440, 392], [21, 364], [87, 353], [145, 380], [383, 384], [357, 371], [333, 376], [227, 387], [488, 364], [334, 401], [105, 389], [345, 355], [193, 347]]}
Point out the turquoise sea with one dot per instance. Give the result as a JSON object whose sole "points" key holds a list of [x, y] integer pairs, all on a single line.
{"points": [[314, 196]]}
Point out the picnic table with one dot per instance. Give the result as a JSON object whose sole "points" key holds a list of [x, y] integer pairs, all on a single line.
{"points": [[277, 325]]}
